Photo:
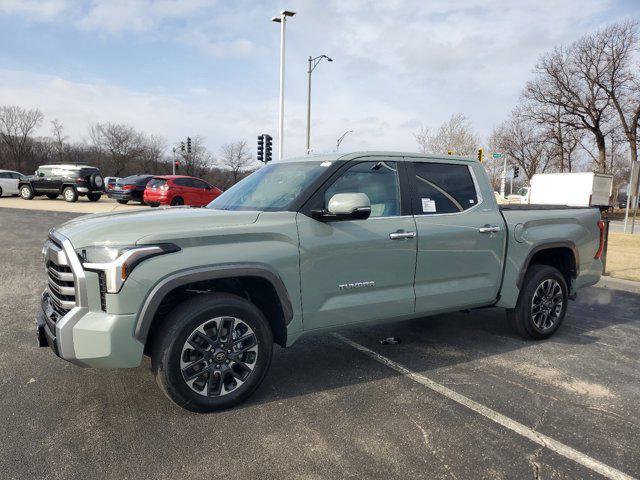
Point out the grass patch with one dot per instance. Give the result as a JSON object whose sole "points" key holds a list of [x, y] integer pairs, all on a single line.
{"points": [[623, 256]]}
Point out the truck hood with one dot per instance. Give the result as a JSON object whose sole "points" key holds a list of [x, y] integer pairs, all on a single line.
{"points": [[131, 227]]}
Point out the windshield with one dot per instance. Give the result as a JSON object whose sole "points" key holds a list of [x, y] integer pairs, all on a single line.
{"points": [[157, 182], [272, 188]]}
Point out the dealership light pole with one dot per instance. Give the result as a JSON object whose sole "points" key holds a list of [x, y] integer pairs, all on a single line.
{"points": [[313, 63], [282, 20]]}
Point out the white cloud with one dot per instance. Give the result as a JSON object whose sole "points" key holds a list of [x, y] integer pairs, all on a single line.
{"points": [[34, 9]]}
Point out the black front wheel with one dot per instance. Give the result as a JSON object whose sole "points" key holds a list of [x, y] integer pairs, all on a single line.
{"points": [[542, 304], [212, 352]]}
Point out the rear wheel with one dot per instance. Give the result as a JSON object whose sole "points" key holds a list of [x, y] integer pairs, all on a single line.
{"points": [[70, 194], [122, 202], [212, 352], [542, 303], [26, 192], [52, 196], [94, 197], [177, 201]]}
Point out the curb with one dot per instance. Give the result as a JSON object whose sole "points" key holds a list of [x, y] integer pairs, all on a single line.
{"points": [[618, 284]]}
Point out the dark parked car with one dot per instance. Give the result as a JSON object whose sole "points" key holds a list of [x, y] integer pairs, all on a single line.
{"points": [[129, 189], [70, 180]]}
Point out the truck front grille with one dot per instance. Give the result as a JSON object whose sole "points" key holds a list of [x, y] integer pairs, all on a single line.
{"points": [[60, 282]]}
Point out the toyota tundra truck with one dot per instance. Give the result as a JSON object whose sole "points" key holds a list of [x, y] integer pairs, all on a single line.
{"points": [[304, 245]]}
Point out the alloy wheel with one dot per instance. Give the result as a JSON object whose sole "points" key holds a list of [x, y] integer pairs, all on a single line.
{"points": [[547, 304], [219, 356]]}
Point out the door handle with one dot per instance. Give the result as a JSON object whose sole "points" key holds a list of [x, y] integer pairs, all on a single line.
{"points": [[489, 229], [401, 235]]}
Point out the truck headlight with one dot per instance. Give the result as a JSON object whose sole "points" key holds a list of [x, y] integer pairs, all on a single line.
{"points": [[117, 262]]}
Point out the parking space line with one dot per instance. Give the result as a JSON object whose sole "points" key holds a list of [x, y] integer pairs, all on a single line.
{"points": [[517, 427]]}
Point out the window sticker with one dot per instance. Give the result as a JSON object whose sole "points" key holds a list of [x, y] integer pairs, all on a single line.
{"points": [[325, 164], [428, 205], [472, 201]]}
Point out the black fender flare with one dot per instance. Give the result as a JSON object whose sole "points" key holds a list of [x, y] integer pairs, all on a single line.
{"points": [[548, 246], [151, 303]]}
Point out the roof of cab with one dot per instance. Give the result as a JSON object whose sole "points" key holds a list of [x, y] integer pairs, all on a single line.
{"points": [[398, 156]]}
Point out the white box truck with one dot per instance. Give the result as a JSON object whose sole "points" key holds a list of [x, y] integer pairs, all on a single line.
{"points": [[582, 189]]}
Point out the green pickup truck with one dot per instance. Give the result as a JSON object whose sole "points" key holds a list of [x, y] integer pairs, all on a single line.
{"points": [[304, 245]]}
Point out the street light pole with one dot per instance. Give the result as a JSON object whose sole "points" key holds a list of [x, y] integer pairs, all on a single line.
{"points": [[313, 63], [339, 141], [281, 19], [503, 177]]}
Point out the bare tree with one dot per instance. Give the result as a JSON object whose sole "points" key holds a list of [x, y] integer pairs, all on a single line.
{"points": [[59, 138], [16, 126], [236, 157], [152, 152], [524, 142], [618, 76], [568, 84], [122, 143], [197, 162], [455, 135]]}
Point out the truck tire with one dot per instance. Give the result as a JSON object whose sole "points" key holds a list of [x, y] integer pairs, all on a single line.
{"points": [[211, 352], [26, 192], [52, 196], [70, 194], [94, 197], [542, 303]]}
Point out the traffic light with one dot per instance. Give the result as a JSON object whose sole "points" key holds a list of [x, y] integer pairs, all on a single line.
{"points": [[261, 148], [449, 152], [480, 155], [177, 164], [267, 148], [516, 172], [188, 144], [182, 147]]}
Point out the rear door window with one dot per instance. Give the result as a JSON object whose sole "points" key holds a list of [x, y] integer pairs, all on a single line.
{"points": [[443, 188], [182, 182]]}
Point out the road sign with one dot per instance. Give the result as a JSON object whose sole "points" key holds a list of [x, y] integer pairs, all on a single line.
{"points": [[497, 155]]}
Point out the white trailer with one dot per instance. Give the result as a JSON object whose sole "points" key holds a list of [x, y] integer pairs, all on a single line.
{"points": [[583, 189]]}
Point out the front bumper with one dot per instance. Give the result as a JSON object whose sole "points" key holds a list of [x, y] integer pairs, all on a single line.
{"points": [[86, 335]]}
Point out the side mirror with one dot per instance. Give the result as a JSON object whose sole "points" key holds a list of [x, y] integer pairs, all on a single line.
{"points": [[345, 206]]}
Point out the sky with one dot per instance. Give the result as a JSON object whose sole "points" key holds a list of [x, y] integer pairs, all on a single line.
{"points": [[211, 67]]}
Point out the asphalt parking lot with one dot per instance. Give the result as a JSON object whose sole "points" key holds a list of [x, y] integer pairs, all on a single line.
{"points": [[460, 397]]}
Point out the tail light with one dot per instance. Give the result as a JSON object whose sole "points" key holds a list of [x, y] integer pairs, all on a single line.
{"points": [[128, 187], [79, 179], [601, 246]]}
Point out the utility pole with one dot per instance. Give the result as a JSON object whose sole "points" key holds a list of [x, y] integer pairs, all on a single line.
{"points": [[282, 20], [313, 63], [503, 177]]}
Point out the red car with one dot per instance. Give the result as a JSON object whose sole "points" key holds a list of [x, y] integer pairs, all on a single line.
{"points": [[179, 190]]}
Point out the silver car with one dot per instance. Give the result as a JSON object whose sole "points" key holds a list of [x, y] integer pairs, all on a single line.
{"points": [[9, 182]]}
